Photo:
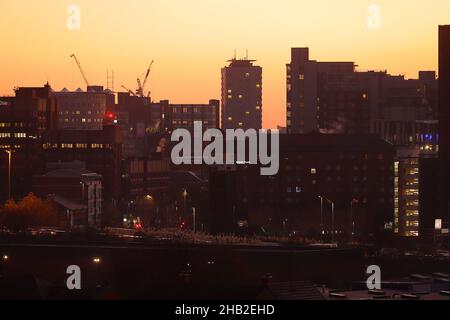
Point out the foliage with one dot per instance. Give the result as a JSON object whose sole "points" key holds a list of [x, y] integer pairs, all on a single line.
{"points": [[29, 211]]}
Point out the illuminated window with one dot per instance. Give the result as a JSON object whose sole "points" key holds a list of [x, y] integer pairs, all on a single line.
{"points": [[241, 96], [301, 77], [230, 96], [313, 171], [20, 135], [5, 135], [230, 119], [258, 107], [258, 85], [247, 113]]}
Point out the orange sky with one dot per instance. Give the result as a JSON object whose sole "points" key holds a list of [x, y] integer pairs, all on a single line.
{"points": [[190, 40]]}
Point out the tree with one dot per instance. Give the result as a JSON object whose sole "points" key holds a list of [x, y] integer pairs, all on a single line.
{"points": [[29, 211]]}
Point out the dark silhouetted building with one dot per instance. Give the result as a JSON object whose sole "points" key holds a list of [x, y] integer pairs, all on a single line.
{"points": [[333, 97], [100, 150], [24, 118], [444, 119], [183, 116], [241, 95], [223, 198], [76, 192], [356, 172], [429, 205], [79, 110]]}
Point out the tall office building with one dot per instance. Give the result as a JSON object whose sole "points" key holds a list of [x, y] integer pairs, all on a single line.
{"points": [[241, 95], [334, 97], [329, 97], [444, 118]]}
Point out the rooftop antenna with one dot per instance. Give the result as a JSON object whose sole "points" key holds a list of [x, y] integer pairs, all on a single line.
{"points": [[246, 54], [235, 57]]}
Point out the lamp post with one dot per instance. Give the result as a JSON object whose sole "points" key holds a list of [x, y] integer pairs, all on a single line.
{"points": [[185, 194], [9, 152], [332, 221], [321, 218], [352, 203], [194, 213], [332, 215]]}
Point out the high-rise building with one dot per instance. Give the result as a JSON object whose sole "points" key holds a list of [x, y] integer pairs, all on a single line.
{"points": [[328, 96], [444, 118], [241, 95], [333, 97]]}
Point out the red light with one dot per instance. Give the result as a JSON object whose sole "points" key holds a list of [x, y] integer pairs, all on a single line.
{"points": [[110, 115]]}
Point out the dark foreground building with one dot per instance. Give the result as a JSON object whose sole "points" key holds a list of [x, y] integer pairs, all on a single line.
{"points": [[444, 118], [353, 172], [23, 120]]}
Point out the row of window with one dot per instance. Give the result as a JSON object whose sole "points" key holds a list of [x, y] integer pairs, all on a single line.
{"points": [[83, 120], [78, 112], [76, 146], [12, 124], [11, 135]]}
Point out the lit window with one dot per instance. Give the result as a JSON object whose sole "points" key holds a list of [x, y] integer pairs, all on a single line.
{"points": [[230, 119], [230, 96], [313, 171], [258, 107], [241, 96], [247, 113], [301, 77]]}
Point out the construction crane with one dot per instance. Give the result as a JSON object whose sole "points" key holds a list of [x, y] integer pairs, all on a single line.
{"points": [[129, 91], [140, 90], [146, 77], [80, 68], [141, 85]]}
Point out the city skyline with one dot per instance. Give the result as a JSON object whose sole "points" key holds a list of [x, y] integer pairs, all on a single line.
{"points": [[181, 36]]}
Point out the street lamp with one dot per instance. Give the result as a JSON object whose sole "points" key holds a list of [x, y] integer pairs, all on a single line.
{"points": [[194, 213], [185, 194], [354, 201], [332, 220], [332, 214], [9, 152], [321, 218]]}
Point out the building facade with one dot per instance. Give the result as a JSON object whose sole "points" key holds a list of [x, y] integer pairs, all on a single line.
{"points": [[444, 119], [355, 172], [241, 95], [24, 118], [77, 191], [79, 110], [333, 97]]}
